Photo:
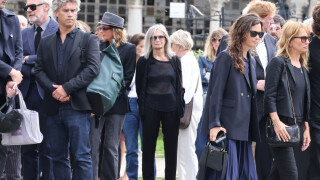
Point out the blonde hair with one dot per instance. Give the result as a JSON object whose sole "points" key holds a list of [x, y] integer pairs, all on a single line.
{"points": [[291, 29], [209, 52], [119, 35], [147, 44], [182, 38], [262, 8]]}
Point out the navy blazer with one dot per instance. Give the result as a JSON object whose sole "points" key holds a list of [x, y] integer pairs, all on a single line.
{"points": [[231, 101], [28, 50], [276, 96], [76, 77], [12, 43]]}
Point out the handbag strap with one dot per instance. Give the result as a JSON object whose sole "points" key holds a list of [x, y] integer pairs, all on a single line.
{"points": [[203, 162], [294, 114], [224, 166]]}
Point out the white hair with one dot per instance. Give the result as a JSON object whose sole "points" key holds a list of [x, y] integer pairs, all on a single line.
{"points": [[57, 4], [182, 38], [147, 44]]}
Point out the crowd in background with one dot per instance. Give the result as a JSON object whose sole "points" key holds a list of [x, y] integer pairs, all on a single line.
{"points": [[264, 69]]}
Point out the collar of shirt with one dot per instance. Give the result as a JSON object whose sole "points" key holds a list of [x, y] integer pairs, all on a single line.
{"points": [[71, 33], [43, 26]]}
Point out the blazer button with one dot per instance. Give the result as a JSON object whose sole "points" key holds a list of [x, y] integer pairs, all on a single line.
{"points": [[248, 96], [252, 97], [241, 94]]}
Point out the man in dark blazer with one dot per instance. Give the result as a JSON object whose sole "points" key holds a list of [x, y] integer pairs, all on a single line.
{"points": [[34, 155], [10, 77], [59, 71]]}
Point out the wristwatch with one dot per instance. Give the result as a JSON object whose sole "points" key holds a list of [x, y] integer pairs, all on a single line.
{"points": [[24, 59]]}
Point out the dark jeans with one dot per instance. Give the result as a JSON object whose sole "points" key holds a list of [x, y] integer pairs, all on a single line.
{"points": [[36, 158], [170, 128], [69, 129], [112, 125]]}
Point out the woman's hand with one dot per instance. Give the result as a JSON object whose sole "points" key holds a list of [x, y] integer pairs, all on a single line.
{"points": [[214, 131], [280, 130], [261, 84], [11, 88], [16, 76], [306, 137]]}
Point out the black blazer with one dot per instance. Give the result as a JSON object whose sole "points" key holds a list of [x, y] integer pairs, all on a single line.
{"points": [[141, 82], [76, 77], [231, 101], [276, 96]]}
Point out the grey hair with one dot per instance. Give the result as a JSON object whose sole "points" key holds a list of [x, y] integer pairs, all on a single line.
{"points": [[182, 38], [49, 2], [278, 19], [57, 4], [147, 44]]}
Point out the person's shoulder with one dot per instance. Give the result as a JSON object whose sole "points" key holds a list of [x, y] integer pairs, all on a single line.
{"points": [[277, 61], [270, 38], [30, 28], [7, 12]]}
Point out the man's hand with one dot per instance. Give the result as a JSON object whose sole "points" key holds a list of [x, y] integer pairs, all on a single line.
{"points": [[16, 76], [60, 94], [11, 88], [260, 85]]}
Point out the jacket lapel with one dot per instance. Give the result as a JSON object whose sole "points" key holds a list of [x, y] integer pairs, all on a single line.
{"points": [[31, 38], [253, 75], [268, 47], [76, 43], [54, 52], [50, 28], [291, 71]]}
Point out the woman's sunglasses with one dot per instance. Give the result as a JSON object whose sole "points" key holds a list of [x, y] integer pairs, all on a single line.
{"points": [[255, 33], [303, 38], [158, 37], [215, 40], [32, 6]]}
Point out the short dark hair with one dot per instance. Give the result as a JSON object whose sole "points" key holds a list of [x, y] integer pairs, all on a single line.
{"points": [[278, 19], [316, 19], [135, 39]]}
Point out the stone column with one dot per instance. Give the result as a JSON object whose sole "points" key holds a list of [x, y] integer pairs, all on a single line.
{"points": [[313, 3], [134, 17], [297, 7], [215, 11]]}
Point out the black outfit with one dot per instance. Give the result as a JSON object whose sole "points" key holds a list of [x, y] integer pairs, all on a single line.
{"points": [[314, 122], [289, 162], [149, 77]]}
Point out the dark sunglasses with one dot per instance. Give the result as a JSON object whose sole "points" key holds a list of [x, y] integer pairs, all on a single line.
{"points": [[255, 33], [303, 38], [104, 28], [215, 40], [157, 37], [32, 6]]}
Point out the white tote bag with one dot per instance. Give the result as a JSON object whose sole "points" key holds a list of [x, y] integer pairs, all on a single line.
{"points": [[29, 131]]}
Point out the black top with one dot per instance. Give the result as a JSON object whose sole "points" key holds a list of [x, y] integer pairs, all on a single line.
{"points": [[160, 94], [63, 52], [314, 60], [299, 95]]}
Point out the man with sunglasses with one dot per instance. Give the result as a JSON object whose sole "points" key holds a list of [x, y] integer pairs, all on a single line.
{"points": [[276, 28], [10, 77], [43, 25]]}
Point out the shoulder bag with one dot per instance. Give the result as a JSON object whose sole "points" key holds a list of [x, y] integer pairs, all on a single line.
{"points": [[293, 131]]}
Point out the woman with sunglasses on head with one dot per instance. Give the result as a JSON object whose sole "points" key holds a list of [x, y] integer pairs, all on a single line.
{"points": [[231, 105], [158, 85], [287, 101]]}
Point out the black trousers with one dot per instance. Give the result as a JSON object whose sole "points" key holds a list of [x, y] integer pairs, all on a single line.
{"points": [[290, 162], [314, 168], [170, 128], [263, 155]]}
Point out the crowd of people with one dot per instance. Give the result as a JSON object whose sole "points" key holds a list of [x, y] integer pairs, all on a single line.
{"points": [[263, 71]]}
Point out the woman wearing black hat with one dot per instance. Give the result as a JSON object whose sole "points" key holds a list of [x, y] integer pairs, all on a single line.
{"points": [[111, 27]]}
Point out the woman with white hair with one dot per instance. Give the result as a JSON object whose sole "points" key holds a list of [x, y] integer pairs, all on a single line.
{"points": [[158, 88], [181, 44]]}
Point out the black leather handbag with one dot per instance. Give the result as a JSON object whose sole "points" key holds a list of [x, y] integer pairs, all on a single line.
{"points": [[293, 131], [214, 157], [11, 121]]}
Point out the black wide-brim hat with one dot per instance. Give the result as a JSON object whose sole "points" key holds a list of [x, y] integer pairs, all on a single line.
{"points": [[111, 19]]}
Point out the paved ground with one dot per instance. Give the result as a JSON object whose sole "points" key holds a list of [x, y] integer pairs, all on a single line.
{"points": [[159, 163]]}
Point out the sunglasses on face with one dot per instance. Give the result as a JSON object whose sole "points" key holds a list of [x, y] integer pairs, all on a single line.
{"points": [[104, 28], [303, 38], [215, 40], [157, 37], [255, 33], [32, 6]]}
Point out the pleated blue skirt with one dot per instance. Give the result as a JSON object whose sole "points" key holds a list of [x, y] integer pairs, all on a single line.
{"points": [[240, 162]]}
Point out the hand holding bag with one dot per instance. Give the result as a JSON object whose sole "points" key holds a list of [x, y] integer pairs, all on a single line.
{"points": [[293, 131], [214, 157], [10, 121], [29, 131]]}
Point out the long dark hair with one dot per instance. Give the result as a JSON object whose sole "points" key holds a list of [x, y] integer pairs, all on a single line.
{"points": [[238, 32]]}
